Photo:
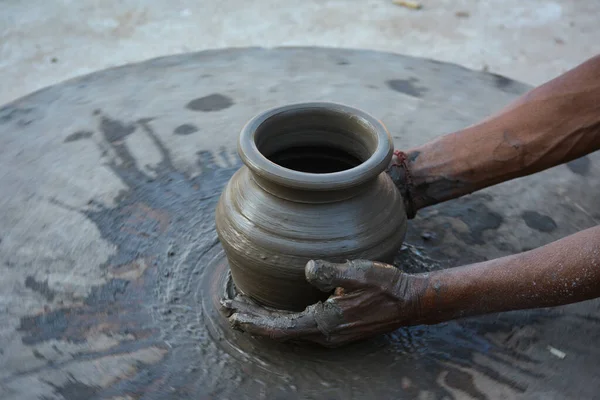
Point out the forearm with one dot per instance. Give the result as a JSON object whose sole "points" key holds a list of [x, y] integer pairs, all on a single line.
{"points": [[562, 272], [550, 125]]}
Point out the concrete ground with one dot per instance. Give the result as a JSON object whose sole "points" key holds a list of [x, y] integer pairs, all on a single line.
{"points": [[44, 42]]}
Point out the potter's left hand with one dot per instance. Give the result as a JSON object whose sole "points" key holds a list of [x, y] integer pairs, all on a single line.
{"points": [[369, 298]]}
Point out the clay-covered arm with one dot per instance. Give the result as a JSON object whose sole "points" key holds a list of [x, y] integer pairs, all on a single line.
{"points": [[563, 272], [373, 298], [550, 125]]}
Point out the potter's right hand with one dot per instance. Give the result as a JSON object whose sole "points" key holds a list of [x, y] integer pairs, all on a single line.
{"points": [[370, 298]]}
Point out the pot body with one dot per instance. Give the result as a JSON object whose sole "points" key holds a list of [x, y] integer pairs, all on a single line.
{"points": [[271, 228]]}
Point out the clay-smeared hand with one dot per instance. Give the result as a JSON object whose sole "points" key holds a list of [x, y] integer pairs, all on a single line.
{"points": [[369, 298]]}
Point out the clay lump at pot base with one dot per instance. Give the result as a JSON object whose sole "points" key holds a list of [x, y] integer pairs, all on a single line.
{"points": [[313, 187]]}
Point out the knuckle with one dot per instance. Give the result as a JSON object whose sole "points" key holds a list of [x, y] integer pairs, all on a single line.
{"points": [[322, 274]]}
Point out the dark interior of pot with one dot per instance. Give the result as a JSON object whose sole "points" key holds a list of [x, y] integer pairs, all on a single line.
{"points": [[316, 141], [315, 159]]}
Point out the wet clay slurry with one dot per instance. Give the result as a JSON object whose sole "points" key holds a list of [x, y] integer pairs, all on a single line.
{"points": [[313, 186], [111, 264]]}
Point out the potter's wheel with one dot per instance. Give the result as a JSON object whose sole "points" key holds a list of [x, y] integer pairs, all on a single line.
{"points": [[111, 265]]}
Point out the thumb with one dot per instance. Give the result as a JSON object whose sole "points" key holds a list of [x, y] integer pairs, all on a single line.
{"points": [[350, 275]]}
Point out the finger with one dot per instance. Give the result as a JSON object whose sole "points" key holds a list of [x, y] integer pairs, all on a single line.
{"points": [[226, 307], [243, 303], [278, 327], [350, 275], [229, 306]]}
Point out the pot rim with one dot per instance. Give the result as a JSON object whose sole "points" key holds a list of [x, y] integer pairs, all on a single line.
{"points": [[260, 165]]}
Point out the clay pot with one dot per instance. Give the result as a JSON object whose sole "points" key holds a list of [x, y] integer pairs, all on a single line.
{"points": [[313, 187]]}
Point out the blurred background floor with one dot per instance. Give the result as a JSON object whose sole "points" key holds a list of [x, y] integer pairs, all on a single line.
{"points": [[44, 42]]}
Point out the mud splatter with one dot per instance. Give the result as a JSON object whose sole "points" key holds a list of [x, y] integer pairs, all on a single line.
{"points": [[407, 86], [473, 212], [114, 130], [185, 129], [506, 84], [580, 166], [22, 115], [212, 102], [539, 222], [73, 137], [40, 287]]}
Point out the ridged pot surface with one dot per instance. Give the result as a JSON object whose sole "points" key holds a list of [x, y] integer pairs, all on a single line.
{"points": [[273, 216]]}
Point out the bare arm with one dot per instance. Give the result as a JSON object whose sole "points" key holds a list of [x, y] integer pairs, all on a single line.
{"points": [[550, 125], [562, 272]]}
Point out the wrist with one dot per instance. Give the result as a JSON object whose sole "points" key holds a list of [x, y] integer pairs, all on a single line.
{"points": [[410, 291], [442, 297], [399, 172]]}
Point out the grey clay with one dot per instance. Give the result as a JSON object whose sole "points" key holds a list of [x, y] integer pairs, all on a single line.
{"points": [[313, 187]]}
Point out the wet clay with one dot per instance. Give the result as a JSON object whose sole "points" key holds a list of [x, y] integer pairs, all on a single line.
{"points": [[313, 186]]}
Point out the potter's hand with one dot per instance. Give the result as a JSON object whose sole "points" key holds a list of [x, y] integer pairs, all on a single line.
{"points": [[552, 124], [373, 298], [369, 298]]}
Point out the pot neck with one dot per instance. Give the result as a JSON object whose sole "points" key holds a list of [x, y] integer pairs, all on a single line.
{"points": [[311, 196], [319, 150]]}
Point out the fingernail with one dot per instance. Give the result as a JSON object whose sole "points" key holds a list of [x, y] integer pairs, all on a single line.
{"points": [[310, 270], [226, 307]]}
